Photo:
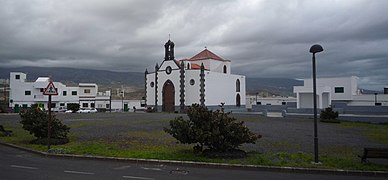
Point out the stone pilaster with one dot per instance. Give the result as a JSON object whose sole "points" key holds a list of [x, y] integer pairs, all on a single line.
{"points": [[156, 87], [202, 85], [182, 87]]}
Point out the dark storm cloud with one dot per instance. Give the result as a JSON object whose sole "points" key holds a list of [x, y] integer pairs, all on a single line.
{"points": [[262, 38]]}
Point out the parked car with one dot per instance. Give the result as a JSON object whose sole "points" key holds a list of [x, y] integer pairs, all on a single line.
{"points": [[58, 109], [82, 110], [68, 111]]}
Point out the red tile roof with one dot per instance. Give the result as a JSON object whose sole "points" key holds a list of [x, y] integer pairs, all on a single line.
{"points": [[206, 54], [195, 66]]}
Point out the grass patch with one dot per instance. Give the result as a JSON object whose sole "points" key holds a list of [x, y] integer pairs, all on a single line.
{"points": [[376, 132]]}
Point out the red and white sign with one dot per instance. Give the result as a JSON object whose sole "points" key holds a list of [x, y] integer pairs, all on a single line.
{"points": [[50, 89]]}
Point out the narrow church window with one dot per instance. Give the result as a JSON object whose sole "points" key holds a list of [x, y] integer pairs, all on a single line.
{"points": [[152, 84], [237, 85], [238, 100], [225, 69], [188, 65], [192, 82]]}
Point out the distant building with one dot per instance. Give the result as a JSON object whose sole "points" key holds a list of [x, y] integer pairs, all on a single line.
{"points": [[24, 93], [339, 91], [204, 79], [275, 100], [4, 94]]}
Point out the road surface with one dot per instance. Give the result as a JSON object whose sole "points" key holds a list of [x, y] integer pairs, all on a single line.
{"points": [[17, 164]]}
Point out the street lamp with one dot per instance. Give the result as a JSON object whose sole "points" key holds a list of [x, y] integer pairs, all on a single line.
{"points": [[315, 49]]}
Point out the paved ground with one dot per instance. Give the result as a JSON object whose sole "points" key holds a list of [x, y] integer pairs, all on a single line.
{"points": [[290, 134]]}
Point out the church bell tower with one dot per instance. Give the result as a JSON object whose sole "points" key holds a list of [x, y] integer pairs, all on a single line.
{"points": [[169, 50]]}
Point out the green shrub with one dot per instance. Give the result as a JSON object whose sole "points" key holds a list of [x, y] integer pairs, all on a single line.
{"points": [[328, 115], [216, 130], [73, 106], [35, 121]]}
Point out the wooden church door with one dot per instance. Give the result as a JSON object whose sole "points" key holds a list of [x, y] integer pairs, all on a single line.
{"points": [[168, 97]]}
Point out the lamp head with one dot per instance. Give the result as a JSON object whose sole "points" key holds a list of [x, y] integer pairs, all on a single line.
{"points": [[316, 48]]}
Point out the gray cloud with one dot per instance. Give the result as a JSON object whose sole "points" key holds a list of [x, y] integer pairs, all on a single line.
{"points": [[263, 38]]}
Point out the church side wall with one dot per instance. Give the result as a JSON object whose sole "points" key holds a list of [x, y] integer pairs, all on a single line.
{"points": [[218, 66], [150, 91], [221, 87], [192, 94]]}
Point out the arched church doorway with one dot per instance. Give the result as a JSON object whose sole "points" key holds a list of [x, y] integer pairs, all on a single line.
{"points": [[238, 100], [168, 97]]}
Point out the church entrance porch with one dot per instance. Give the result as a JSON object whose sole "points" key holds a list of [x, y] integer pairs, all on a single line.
{"points": [[168, 97]]}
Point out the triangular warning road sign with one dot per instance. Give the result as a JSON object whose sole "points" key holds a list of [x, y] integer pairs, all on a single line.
{"points": [[50, 89]]}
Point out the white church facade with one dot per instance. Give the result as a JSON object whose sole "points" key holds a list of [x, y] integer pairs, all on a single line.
{"points": [[204, 79]]}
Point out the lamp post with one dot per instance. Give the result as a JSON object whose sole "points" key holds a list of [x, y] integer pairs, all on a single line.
{"points": [[315, 49]]}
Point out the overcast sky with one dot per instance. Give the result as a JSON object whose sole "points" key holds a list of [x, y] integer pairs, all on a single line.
{"points": [[268, 38]]}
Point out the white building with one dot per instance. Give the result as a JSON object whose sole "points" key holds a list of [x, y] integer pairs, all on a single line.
{"points": [[204, 79], [338, 89], [275, 100], [24, 93]]}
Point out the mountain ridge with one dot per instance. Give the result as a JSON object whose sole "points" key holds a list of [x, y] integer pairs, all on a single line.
{"points": [[266, 86]]}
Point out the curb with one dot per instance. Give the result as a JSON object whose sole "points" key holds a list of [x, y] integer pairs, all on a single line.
{"points": [[210, 165]]}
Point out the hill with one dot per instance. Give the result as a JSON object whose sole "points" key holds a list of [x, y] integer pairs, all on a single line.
{"points": [[72, 75], [111, 79], [272, 86]]}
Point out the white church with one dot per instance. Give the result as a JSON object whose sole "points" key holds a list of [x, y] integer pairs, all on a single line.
{"points": [[204, 79]]}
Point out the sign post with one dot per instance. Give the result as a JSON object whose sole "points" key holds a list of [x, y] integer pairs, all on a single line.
{"points": [[50, 90]]}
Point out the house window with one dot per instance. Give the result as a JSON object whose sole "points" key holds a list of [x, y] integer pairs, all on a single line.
{"points": [[192, 82], [339, 90], [87, 91], [258, 103], [53, 105], [64, 93], [92, 105], [85, 105], [41, 89], [25, 106], [74, 93], [284, 103], [17, 76], [27, 93], [188, 65], [225, 70], [62, 104], [107, 105], [237, 85]]}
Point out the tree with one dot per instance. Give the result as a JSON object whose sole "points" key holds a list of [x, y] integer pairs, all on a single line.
{"points": [[35, 121], [73, 106], [215, 130]]}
